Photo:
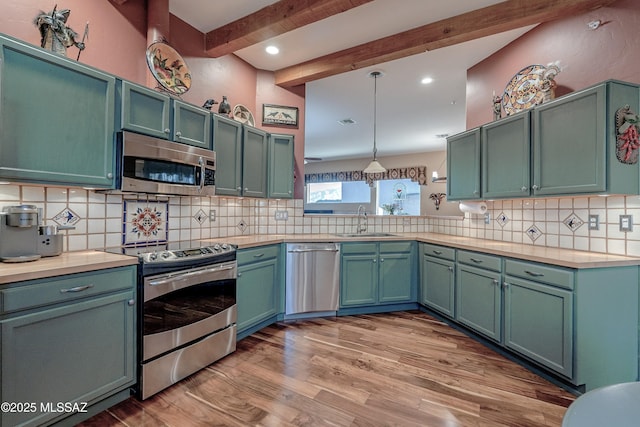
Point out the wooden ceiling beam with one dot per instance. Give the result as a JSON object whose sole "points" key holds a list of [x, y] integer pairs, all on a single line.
{"points": [[271, 21], [505, 16]]}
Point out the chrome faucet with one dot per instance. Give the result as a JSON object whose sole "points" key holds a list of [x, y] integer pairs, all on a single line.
{"points": [[362, 220]]}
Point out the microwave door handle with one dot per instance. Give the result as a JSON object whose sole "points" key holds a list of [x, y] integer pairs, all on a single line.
{"points": [[202, 173]]}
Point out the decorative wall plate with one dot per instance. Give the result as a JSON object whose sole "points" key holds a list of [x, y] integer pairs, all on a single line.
{"points": [[168, 68], [243, 115], [523, 90]]}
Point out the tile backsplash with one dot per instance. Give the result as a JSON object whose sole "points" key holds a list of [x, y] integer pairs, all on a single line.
{"points": [[106, 220]]}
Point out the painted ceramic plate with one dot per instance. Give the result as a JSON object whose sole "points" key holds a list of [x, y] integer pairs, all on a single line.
{"points": [[523, 91], [168, 68], [243, 115]]}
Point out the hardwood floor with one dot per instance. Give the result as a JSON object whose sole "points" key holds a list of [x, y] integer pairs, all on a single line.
{"points": [[394, 369]]}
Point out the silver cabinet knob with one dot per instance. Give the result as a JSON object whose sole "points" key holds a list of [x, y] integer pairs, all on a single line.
{"points": [[524, 188], [374, 260], [110, 175], [450, 268], [495, 282], [239, 188], [535, 187], [178, 134], [167, 130], [131, 302]]}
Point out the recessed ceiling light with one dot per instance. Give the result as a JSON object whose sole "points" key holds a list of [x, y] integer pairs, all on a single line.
{"points": [[426, 80], [272, 50]]}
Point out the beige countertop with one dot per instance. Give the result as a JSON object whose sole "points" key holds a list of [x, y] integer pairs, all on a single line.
{"points": [[556, 256], [77, 262], [66, 263]]}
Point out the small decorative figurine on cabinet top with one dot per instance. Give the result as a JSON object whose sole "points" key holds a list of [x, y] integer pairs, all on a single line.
{"points": [[224, 107], [55, 35], [209, 103]]}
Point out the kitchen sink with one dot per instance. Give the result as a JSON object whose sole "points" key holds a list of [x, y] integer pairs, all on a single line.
{"points": [[364, 235]]}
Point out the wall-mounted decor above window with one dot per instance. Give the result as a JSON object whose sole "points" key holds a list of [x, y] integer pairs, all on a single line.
{"points": [[414, 173], [279, 115]]}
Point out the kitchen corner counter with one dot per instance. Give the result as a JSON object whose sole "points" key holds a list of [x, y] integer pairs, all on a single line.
{"points": [[66, 263], [555, 256]]}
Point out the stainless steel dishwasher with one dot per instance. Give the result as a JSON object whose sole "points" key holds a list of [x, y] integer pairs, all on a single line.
{"points": [[313, 279]]}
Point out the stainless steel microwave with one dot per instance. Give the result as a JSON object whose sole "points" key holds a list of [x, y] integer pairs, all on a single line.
{"points": [[151, 165]]}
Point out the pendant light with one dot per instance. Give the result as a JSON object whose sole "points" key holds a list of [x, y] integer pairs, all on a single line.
{"points": [[375, 166]]}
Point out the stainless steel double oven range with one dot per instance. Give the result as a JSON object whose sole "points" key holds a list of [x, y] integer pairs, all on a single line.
{"points": [[186, 313]]}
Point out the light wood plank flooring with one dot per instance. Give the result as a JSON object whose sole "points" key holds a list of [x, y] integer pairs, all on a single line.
{"points": [[395, 369]]}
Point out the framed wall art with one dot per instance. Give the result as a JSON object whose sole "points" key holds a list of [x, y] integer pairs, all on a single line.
{"points": [[279, 115]]}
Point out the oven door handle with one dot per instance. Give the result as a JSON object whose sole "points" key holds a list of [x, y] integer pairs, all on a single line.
{"points": [[163, 285]]}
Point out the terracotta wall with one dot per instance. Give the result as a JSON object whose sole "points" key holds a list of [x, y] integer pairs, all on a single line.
{"points": [[586, 56], [117, 44]]}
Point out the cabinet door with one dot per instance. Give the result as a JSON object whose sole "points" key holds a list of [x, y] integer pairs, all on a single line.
{"points": [[506, 157], [438, 285], [570, 144], [257, 292], [397, 276], [539, 323], [145, 111], [359, 280], [227, 143], [255, 157], [57, 118], [191, 125], [281, 165], [479, 300], [463, 166], [75, 353]]}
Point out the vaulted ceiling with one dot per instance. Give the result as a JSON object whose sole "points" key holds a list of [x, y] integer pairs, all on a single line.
{"points": [[332, 45]]}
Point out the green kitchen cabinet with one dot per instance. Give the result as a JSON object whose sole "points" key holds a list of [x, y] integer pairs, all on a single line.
{"points": [[377, 274], [57, 118], [437, 278], [255, 160], [479, 293], [156, 114], [191, 125], [574, 143], [358, 274], [463, 165], [227, 143], [144, 110], [506, 157], [259, 288], [68, 339], [281, 166], [242, 156], [538, 320]]}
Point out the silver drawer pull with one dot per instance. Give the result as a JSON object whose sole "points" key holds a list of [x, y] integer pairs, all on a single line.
{"points": [[477, 261], [259, 255], [76, 289], [437, 252], [531, 273]]}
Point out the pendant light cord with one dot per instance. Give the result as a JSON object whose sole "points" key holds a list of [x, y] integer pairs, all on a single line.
{"points": [[375, 111]]}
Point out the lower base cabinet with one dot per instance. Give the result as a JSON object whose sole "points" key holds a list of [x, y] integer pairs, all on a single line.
{"points": [[376, 274], [437, 283], [259, 287], [78, 350], [479, 300]]}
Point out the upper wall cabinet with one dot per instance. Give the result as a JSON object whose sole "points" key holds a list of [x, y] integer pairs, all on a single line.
{"points": [[56, 118], [191, 125], [145, 111], [463, 165], [255, 160], [281, 166], [153, 113], [564, 147], [227, 143], [506, 157], [574, 143]]}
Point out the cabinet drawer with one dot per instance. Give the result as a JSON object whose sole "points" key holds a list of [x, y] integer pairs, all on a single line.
{"points": [[247, 256], [359, 248], [395, 247], [489, 262], [67, 288], [439, 251], [540, 273]]}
